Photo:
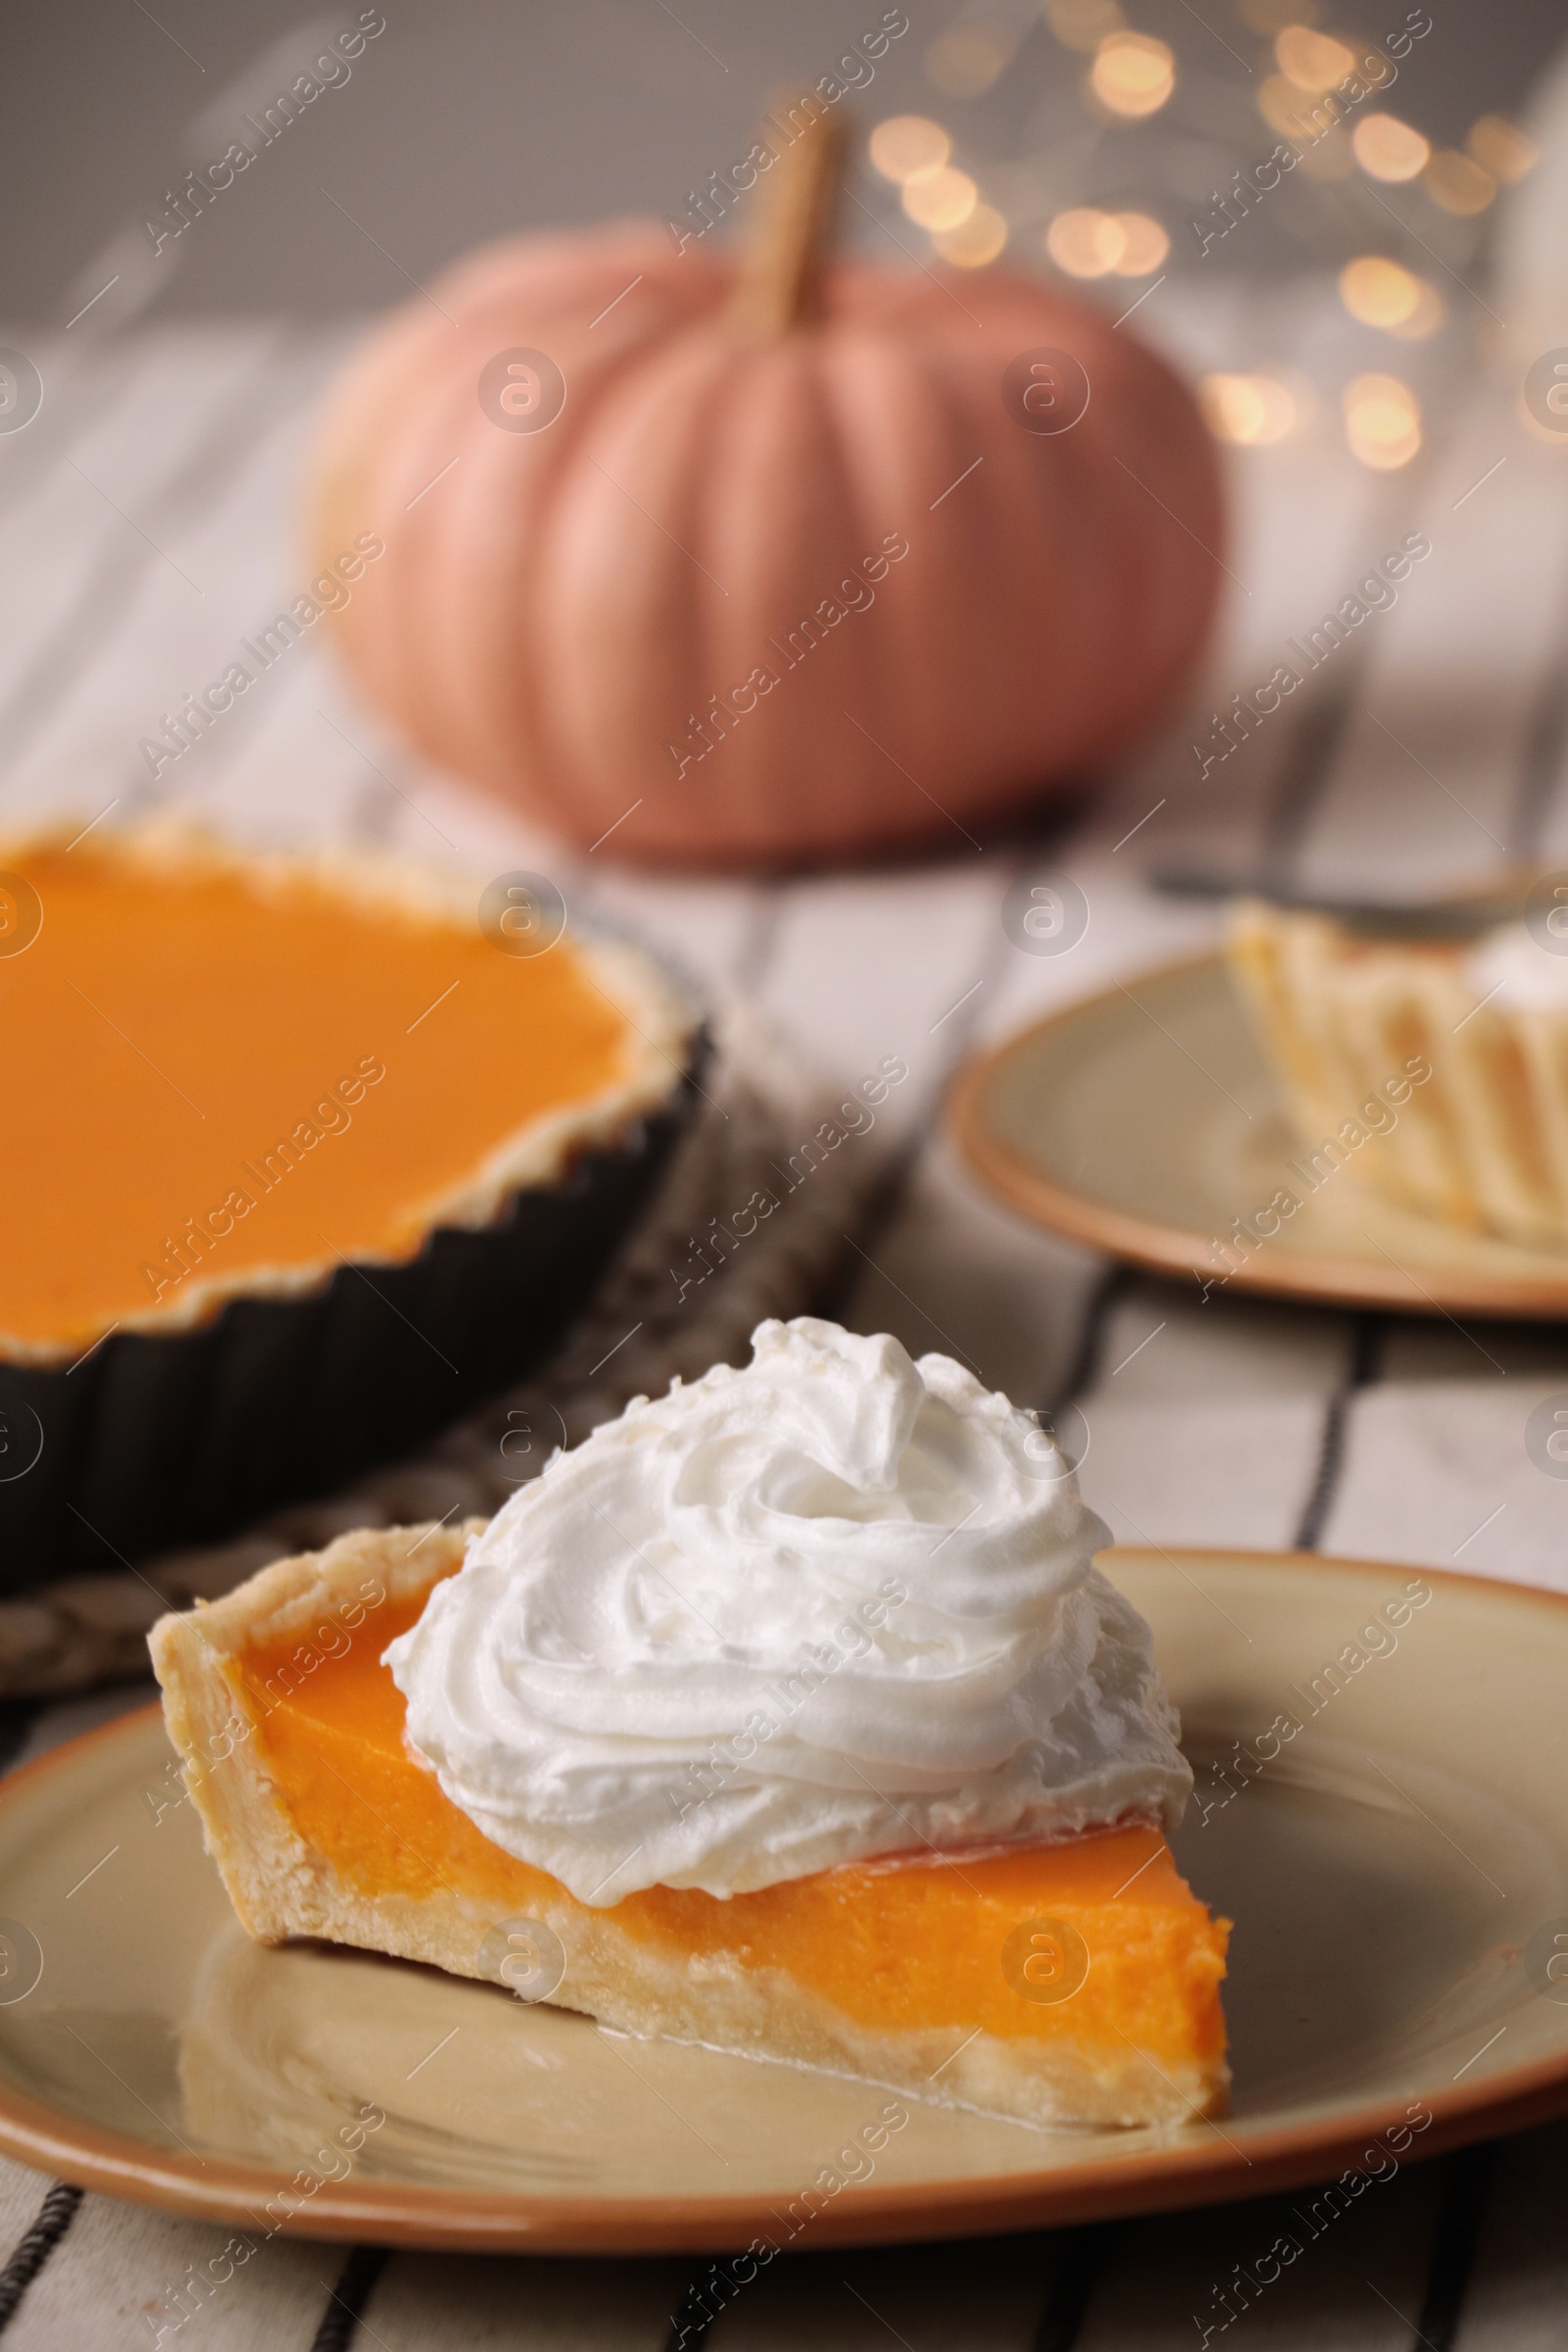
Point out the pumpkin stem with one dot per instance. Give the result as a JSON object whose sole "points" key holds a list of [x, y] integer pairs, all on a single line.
{"points": [[778, 284]]}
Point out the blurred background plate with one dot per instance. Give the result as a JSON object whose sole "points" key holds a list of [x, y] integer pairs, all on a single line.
{"points": [[1145, 1122], [1396, 1872]]}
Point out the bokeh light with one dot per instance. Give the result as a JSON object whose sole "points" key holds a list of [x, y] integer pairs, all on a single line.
{"points": [[1251, 411], [978, 238], [1501, 148], [1425, 319], [1084, 243], [1313, 60], [1144, 245], [966, 59], [1087, 243], [1457, 185], [1388, 149], [1133, 74], [1378, 292], [1382, 421], [940, 199], [908, 144], [1083, 23]]}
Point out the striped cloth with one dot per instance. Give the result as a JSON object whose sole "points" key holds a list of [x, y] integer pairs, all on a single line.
{"points": [[142, 533]]}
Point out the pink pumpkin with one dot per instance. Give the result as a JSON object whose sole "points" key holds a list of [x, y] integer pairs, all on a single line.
{"points": [[763, 599]]}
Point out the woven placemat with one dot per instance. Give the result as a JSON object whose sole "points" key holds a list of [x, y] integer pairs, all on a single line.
{"points": [[684, 1294]]}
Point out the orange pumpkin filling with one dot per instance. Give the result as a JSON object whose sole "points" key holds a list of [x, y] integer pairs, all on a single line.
{"points": [[1098, 1941], [203, 1078]]}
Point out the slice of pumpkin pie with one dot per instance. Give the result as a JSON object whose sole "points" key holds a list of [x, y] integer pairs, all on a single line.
{"points": [[787, 1714]]}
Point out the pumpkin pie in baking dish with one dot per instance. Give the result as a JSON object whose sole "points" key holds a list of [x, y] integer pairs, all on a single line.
{"points": [[787, 1715], [304, 1155], [286, 1060]]}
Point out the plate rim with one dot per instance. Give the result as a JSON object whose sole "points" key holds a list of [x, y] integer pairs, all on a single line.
{"points": [[456, 2220], [1280, 1272]]}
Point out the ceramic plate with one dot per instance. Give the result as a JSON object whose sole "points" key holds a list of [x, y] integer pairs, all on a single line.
{"points": [[1395, 1867], [1144, 1122]]}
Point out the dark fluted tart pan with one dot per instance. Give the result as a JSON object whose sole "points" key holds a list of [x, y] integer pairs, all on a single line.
{"points": [[167, 1438]]}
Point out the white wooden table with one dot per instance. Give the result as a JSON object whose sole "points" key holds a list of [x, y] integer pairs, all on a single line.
{"points": [[145, 525]]}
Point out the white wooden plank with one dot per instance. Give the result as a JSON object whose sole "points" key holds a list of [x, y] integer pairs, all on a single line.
{"points": [[1436, 1471], [124, 2265], [106, 494], [1224, 1350], [85, 387], [881, 965], [1206, 1421], [394, 797], [81, 383], [22, 2192], [957, 1274], [305, 765], [173, 637], [721, 930], [1130, 929], [315, 763], [1174, 1472]]}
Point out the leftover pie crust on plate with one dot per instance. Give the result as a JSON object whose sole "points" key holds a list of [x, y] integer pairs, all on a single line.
{"points": [[1145, 1120]]}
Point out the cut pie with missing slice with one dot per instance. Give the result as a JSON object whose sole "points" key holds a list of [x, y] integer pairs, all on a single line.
{"points": [[1075, 1983], [1446, 1059]]}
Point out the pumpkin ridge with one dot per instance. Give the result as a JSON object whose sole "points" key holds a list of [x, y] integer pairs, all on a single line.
{"points": [[619, 522], [862, 395]]}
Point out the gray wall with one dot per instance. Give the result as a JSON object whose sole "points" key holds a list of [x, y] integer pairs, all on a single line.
{"points": [[465, 118]]}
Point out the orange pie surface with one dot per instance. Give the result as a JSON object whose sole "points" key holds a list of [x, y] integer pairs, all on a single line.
{"points": [[986, 1943], [292, 1072]]}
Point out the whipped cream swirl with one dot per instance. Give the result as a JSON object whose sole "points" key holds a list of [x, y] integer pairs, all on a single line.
{"points": [[836, 1605]]}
